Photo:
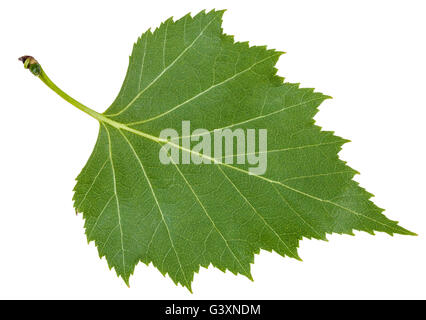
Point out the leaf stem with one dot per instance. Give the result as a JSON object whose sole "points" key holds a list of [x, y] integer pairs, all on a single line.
{"points": [[43, 77], [36, 69], [30, 63]]}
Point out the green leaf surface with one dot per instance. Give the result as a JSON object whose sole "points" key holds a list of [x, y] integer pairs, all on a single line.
{"points": [[182, 216]]}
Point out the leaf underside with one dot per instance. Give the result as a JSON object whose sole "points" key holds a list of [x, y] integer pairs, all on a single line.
{"points": [[182, 216]]}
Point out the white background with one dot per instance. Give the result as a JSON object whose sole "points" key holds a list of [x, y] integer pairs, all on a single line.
{"points": [[369, 55]]}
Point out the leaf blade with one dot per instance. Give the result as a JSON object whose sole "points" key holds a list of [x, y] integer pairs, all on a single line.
{"points": [[137, 209]]}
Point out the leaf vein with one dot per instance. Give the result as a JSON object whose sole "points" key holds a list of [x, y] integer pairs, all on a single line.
{"points": [[210, 218], [199, 94], [93, 182], [258, 214], [117, 201], [158, 204], [163, 71]]}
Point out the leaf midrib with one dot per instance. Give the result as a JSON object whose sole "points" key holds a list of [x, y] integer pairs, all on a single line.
{"points": [[121, 126]]}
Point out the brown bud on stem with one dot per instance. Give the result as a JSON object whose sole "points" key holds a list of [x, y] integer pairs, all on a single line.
{"points": [[31, 63], [31, 59]]}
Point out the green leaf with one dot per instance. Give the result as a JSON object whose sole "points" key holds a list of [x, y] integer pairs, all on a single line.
{"points": [[183, 216]]}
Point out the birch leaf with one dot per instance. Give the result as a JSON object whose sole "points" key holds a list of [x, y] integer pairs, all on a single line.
{"points": [[181, 217]]}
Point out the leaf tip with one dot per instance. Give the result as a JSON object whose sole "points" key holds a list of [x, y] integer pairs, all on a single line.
{"points": [[187, 285], [126, 281], [409, 233], [217, 11], [298, 258]]}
